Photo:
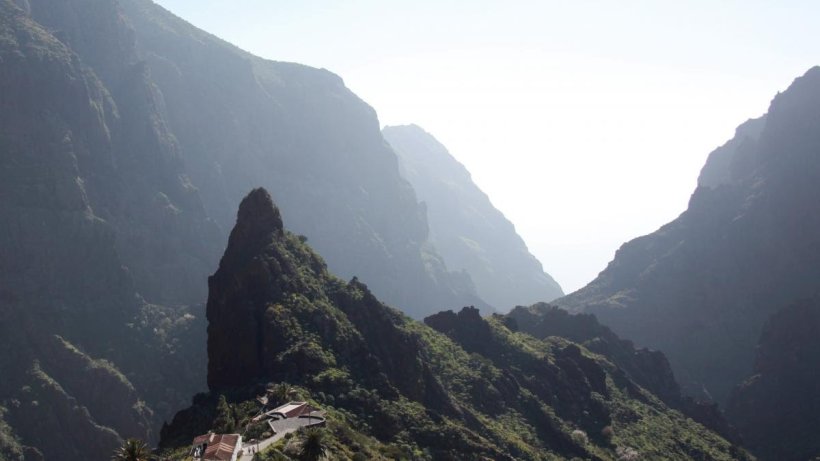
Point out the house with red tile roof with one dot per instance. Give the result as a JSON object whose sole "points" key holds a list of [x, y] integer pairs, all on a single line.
{"points": [[216, 447]]}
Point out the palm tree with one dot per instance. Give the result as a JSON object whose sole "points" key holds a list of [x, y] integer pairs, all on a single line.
{"points": [[132, 450], [314, 445]]}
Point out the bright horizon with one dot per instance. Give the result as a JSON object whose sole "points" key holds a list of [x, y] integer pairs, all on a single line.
{"points": [[586, 123]]}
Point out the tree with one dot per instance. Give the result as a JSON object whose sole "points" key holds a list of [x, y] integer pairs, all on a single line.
{"points": [[224, 422], [314, 445], [132, 450]]}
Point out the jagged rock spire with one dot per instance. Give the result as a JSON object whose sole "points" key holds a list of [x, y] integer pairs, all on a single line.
{"points": [[257, 222]]}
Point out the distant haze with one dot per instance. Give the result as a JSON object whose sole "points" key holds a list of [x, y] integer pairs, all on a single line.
{"points": [[585, 122]]}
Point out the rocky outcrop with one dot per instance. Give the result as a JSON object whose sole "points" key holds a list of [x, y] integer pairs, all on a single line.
{"points": [[701, 288], [647, 368], [465, 228], [566, 383], [267, 295], [249, 278], [778, 408]]}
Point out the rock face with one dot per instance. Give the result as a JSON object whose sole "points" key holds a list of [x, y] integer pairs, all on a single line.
{"points": [[733, 161], [568, 384], [648, 368], [778, 408], [276, 315], [70, 316], [701, 288], [465, 228], [241, 289], [241, 122]]}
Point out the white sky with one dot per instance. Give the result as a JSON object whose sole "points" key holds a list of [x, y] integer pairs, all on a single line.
{"points": [[586, 122]]}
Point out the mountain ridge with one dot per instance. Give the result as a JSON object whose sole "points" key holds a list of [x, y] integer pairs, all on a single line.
{"points": [[466, 229], [703, 286]]}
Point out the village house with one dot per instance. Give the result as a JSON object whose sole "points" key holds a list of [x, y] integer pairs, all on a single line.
{"points": [[216, 447]]}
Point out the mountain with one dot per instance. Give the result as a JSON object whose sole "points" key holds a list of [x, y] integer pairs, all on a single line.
{"points": [[702, 287], [464, 387], [648, 368], [240, 122], [126, 136], [465, 228], [778, 407], [90, 194]]}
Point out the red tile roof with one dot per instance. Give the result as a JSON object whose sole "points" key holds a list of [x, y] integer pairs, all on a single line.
{"points": [[201, 439], [220, 447]]}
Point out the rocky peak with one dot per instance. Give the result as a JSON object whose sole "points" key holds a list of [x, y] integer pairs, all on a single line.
{"points": [[257, 222], [466, 327], [258, 211], [255, 271]]}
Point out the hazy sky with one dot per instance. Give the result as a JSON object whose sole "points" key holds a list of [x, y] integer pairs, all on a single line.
{"points": [[586, 122]]}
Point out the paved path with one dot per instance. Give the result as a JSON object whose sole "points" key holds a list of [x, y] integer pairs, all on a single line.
{"points": [[281, 427]]}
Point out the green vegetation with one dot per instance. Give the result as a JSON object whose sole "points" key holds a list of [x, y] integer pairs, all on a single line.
{"points": [[132, 450], [10, 449], [314, 446], [458, 387], [225, 422]]}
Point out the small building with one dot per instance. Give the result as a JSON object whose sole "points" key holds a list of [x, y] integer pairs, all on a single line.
{"points": [[291, 410], [216, 447]]}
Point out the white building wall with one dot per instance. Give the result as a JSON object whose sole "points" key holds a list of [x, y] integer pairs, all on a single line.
{"points": [[237, 449]]}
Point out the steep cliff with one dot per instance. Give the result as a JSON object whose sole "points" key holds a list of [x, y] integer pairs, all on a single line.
{"points": [[701, 288], [242, 122], [465, 228], [81, 352], [778, 408], [394, 385], [161, 231]]}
